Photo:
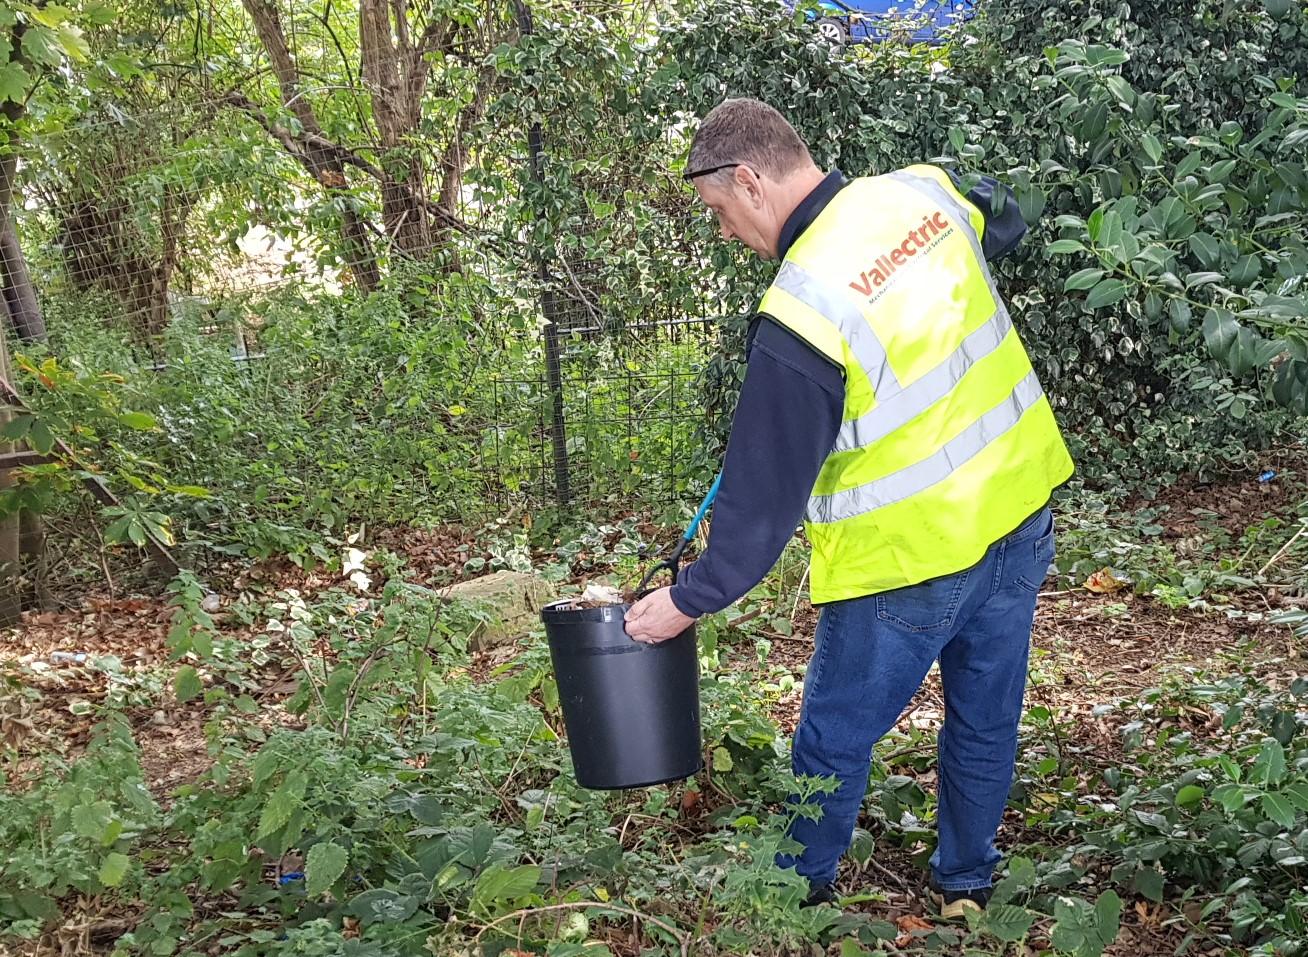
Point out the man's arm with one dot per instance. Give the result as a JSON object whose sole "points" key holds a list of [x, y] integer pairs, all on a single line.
{"points": [[790, 409], [1004, 226]]}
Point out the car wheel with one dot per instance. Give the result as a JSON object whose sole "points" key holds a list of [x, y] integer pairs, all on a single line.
{"points": [[833, 31]]}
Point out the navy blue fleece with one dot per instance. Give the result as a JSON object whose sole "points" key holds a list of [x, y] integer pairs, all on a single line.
{"points": [[790, 408]]}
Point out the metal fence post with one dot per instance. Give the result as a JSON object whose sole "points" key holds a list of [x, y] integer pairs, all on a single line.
{"points": [[549, 306]]}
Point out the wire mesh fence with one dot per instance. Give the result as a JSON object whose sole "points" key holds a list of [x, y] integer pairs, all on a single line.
{"points": [[597, 405]]}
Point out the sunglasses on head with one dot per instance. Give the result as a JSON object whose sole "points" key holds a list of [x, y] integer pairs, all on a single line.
{"points": [[712, 169]]}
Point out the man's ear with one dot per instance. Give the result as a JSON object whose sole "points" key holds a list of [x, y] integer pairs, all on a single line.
{"points": [[749, 181]]}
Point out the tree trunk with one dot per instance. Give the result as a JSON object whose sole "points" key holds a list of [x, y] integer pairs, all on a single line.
{"points": [[395, 74], [22, 312], [21, 305], [322, 163], [33, 561], [20, 295], [10, 555]]}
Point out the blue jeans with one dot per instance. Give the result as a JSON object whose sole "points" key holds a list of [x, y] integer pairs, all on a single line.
{"points": [[871, 655]]}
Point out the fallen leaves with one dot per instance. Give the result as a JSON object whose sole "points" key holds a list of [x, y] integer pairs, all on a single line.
{"points": [[910, 928], [1104, 582], [689, 800]]}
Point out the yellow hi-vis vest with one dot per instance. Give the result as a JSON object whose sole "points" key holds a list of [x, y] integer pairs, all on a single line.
{"points": [[948, 441]]}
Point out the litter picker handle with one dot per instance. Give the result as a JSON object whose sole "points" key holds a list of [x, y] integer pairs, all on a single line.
{"points": [[704, 506], [673, 562]]}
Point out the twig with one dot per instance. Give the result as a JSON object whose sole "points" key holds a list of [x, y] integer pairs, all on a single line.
{"points": [[101, 553], [352, 693], [887, 873], [745, 618], [682, 940], [1284, 548], [504, 802], [308, 673], [799, 592]]}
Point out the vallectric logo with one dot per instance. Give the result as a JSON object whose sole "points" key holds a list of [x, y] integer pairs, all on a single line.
{"points": [[934, 228]]}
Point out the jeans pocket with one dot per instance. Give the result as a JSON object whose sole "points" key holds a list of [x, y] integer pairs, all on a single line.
{"points": [[930, 606], [1034, 559]]}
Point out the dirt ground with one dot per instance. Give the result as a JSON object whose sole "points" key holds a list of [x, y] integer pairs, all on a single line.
{"points": [[1091, 649]]}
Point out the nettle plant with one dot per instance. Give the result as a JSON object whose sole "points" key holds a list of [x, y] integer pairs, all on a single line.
{"points": [[1207, 809], [83, 423]]}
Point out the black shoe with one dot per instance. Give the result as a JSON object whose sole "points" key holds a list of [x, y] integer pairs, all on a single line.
{"points": [[820, 894]]}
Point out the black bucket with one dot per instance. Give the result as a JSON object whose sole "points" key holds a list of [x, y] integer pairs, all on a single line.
{"points": [[631, 709]]}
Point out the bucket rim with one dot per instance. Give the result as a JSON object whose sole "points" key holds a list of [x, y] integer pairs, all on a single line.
{"points": [[553, 613]]}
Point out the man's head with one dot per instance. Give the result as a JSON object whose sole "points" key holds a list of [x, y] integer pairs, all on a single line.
{"points": [[751, 169]]}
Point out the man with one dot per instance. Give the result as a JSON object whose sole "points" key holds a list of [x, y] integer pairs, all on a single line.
{"points": [[889, 401]]}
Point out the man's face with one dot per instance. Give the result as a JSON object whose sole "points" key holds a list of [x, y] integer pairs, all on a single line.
{"points": [[740, 209]]}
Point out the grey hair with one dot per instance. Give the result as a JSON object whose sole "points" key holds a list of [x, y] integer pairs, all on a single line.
{"points": [[749, 132]]}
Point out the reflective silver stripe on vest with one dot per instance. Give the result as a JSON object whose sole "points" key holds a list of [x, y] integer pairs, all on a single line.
{"points": [[920, 476], [920, 394], [896, 411], [933, 190], [844, 312]]}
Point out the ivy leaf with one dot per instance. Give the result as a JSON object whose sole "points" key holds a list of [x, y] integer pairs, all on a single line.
{"points": [[141, 421], [1220, 330], [113, 869], [1082, 279], [1106, 293], [1149, 882], [504, 884], [1061, 247], [324, 866]]}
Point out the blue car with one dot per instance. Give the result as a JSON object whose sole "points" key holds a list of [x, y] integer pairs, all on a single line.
{"points": [[872, 21]]}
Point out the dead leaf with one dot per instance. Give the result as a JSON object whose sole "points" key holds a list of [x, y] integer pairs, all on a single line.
{"points": [[1104, 582], [908, 924], [1149, 914], [689, 800]]}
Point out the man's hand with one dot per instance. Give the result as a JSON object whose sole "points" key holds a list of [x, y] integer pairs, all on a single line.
{"points": [[654, 618]]}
